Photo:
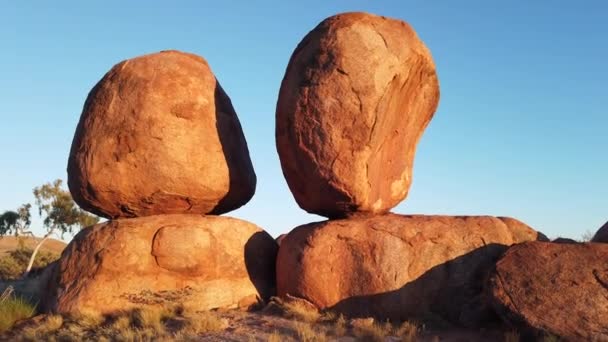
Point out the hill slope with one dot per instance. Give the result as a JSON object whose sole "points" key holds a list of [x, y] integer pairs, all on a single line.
{"points": [[9, 243]]}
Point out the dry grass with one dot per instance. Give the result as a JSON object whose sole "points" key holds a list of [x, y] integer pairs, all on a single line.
{"points": [[13, 309], [339, 327], [275, 337], [307, 333], [135, 325], [297, 309], [548, 337], [511, 336], [373, 331], [370, 330], [407, 332], [204, 322]]}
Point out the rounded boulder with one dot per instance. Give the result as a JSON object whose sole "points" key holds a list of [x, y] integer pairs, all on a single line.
{"points": [[397, 267], [358, 92], [158, 135], [164, 260]]}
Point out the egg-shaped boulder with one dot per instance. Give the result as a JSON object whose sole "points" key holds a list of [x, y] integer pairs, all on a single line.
{"points": [[159, 135], [357, 94]]}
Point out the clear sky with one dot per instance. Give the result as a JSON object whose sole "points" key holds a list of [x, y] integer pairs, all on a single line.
{"points": [[521, 128]]}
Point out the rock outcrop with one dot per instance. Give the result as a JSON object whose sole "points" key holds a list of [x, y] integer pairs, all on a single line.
{"points": [[158, 135], [397, 267], [601, 235], [561, 289], [357, 95], [199, 262]]}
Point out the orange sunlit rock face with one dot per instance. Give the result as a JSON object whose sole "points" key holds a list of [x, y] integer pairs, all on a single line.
{"points": [[397, 267], [357, 95], [561, 288], [191, 260], [158, 135]]}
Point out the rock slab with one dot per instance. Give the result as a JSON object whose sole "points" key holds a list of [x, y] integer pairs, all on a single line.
{"points": [[356, 97], [397, 267], [557, 288], [158, 135], [200, 262]]}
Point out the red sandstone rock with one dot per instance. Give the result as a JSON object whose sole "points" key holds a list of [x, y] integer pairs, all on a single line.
{"points": [[200, 262], [561, 289], [158, 135], [357, 95], [397, 267]]}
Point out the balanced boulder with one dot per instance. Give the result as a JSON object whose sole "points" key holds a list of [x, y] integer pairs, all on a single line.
{"points": [[561, 289], [357, 95], [199, 262], [397, 267], [601, 235], [158, 135]]}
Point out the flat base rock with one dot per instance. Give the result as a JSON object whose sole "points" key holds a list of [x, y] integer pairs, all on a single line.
{"points": [[398, 267], [199, 262], [557, 288]]}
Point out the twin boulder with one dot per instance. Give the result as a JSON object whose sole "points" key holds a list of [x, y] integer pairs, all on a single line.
{"points": [[158, 147]]}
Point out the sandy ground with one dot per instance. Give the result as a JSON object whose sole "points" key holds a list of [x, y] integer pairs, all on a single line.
{"points": [[258, 326]]}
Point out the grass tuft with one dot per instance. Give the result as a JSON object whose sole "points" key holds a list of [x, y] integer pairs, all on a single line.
{"points": [[298, 309], [512, 336], [306, 333], [13, 309]]}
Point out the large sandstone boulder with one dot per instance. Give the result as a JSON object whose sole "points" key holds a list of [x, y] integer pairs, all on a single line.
{"points": [[200, 262], [158, 135], [601, 235], [557, 288], [358, 92], [397, 267]]}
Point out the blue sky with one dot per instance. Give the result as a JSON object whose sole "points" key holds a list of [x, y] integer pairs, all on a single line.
{"points": [[521, 128]]}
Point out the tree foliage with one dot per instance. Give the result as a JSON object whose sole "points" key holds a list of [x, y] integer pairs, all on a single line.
{"points": [[16, 222], [59, 210]]}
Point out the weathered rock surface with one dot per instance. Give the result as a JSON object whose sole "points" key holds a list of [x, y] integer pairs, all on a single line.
{"points": [[201, 262], [358, 92], [601, 235], [557, 288], [397, 267], [158, 135]]}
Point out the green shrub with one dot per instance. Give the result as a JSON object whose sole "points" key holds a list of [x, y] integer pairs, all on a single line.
{"points": [[15, 262], [13, 309]]}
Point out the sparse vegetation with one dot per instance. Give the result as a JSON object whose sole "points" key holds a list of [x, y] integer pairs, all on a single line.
{"points": [[370, 330], [407, 331], [134, 325], [306, 332], [587, 236], [512, 336], [13, 309], [15, 262], [60, 215], [296, 309], [548, 337], [275, 337]]}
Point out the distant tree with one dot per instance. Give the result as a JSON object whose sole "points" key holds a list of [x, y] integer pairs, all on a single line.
{"points": [[16, 222], [60, 212], [587, 236]]}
